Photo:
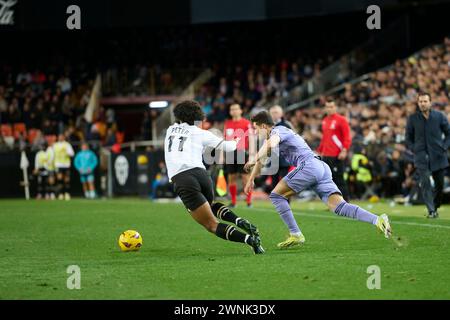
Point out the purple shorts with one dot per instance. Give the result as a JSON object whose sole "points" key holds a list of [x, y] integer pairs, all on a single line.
{"points": [[313, 174]]}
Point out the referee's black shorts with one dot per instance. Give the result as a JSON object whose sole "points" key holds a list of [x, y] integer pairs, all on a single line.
{"points": [[235, 161], [194, 187]]}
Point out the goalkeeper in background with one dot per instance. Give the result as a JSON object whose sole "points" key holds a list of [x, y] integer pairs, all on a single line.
{"points": [[63, 152], [85, 162]]}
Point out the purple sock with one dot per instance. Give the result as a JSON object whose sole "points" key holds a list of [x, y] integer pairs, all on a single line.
{"points": [[283, 208], [346, 209]]}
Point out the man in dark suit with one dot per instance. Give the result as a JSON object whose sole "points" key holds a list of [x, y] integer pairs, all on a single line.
{"points": [[428, 137]]}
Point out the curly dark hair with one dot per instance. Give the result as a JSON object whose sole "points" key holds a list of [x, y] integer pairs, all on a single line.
{"points": [[188, 111], [262, 117]]}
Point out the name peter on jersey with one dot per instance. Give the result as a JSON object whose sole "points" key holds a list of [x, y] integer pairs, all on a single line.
{"points": [[179, 130]]}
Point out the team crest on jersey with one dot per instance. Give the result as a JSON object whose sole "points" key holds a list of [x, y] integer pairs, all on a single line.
{"points": [[229, 131]]}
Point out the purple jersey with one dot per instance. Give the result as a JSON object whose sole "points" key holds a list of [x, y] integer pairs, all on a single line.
{"points": [[292, 147]]}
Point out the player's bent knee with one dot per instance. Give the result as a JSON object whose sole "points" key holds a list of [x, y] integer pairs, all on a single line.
{"points": [[211, 226], [275, 197]]}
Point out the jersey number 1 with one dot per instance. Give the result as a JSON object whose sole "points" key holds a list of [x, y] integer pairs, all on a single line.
{"points": [[180, 146]]}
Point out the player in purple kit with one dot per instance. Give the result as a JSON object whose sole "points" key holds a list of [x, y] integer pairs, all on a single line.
{"points": [[310, 173]]}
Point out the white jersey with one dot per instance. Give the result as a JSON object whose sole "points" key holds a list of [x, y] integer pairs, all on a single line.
{"points": [[184, 145]]}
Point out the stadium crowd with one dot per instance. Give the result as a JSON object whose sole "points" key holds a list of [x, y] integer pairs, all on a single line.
{"points": [[37, 105], [254, 87], [50, 94], [377, 110]]}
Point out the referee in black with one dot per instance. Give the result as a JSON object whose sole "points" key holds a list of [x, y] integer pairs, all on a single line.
{"points": [[428, 137]]}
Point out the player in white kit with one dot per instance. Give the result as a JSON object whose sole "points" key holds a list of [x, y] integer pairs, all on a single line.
{"points": [[184, 144]]}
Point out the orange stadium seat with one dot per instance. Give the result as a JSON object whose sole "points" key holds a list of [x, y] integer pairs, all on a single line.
{"points": [[20, 129], [31, 135], [101, 127], [6, 130], [120, 137]]}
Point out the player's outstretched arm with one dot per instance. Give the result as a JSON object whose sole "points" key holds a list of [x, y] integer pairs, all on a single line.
{"points": [[256, 166], [209, 139], [262, 153]]}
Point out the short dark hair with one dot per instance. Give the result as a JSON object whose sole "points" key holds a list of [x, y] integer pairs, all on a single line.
{"points": [[188, 111], [329, 100], [423, 93], [262, 117]]}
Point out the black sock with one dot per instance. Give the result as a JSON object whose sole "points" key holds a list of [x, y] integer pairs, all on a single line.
{"points": [[66, 187], [228, 232], [44, 187], [224, 213], [60, 188], [40, 186]]}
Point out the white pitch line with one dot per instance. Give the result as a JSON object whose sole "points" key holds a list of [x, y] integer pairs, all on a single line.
{"points": [[335, 217]]}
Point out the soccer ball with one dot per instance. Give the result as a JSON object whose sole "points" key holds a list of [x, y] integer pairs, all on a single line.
{"points": [[130, 240]]}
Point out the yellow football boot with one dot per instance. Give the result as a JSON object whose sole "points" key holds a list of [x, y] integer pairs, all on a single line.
{"points": [[292, 241], [384, 226]]}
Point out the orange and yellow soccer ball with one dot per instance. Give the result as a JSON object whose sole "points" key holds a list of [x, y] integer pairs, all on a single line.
{"points": [[130, 240]]}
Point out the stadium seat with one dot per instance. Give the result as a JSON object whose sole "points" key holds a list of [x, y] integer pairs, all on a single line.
{"points": [[120, 137], [6, 130], [31, 135], [20, 129], [101, 127]]}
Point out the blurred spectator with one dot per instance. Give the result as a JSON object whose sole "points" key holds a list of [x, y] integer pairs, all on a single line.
{"points": [[377, 109], [64, 84], [85, 162], [161, 180], [362, 169], [4, 146], [110, 137], [38, 141]]}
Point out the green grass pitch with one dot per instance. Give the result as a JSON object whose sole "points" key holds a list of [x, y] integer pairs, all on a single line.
{"points": [[179, 260]]}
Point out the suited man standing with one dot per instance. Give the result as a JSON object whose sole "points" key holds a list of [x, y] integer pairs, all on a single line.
{"points": [[428, 137]]}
